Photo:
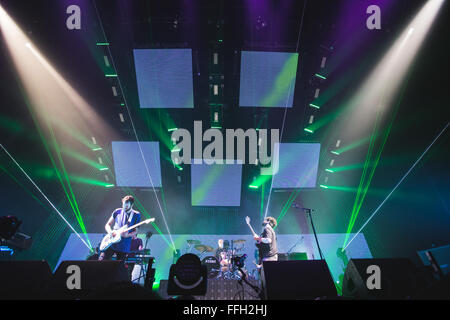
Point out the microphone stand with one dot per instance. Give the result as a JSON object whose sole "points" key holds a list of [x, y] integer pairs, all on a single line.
{"points": [[295, 244], [308, 212]]}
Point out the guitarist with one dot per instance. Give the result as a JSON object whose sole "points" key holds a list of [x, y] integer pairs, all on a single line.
{"points": [[267, 241], [120, 217]]}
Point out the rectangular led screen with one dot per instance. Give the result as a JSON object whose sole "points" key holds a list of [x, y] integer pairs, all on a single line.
{"points": [[216, 184], [267, 79], [164, 78], [298, 165], [130, 168]]}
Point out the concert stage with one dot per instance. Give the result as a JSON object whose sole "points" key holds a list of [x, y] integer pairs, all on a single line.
{"points": [[287, 243], [224, 149]]}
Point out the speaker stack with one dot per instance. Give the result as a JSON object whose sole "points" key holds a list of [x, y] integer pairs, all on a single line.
{"points": [[23, 279], [398, 278], [297, 279], [34, 279]]}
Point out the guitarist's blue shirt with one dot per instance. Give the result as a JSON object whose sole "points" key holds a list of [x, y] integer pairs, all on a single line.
{"points": [[120, 219]]}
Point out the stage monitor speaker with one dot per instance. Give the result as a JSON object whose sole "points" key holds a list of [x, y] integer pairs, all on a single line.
{"points": [[297, 279], [23, 279], [292, 256], [283, 257], [298, 256], [398, 279], [80, 279]]}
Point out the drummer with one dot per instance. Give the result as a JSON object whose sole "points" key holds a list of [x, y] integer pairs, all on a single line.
{"points": [[222, 253]]}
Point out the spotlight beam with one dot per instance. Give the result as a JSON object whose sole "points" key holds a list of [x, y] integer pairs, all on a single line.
{"points": [[48, 200], [397, 185], [134, 129], [380, 90], [285, 108]]}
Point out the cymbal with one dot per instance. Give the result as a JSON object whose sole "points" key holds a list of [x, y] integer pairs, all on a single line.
{"points": [[193, 241], [239, 241], [203, 248]]}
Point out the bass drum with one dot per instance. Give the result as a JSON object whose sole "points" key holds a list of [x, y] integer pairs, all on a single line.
{"points": [[212, 266]]}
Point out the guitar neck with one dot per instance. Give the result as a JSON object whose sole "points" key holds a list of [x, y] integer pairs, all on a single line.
{"points": [[135, 226], [251, 229]]}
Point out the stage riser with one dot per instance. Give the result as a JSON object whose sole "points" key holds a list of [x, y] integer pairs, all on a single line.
{"points": [[220, 289], [330, 244]]}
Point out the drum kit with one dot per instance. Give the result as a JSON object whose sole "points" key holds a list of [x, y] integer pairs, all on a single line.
{"points": [[220, 265]]}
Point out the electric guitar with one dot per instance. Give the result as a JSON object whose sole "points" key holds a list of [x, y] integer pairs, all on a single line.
{"points": [[109, 239], [247, 220]]}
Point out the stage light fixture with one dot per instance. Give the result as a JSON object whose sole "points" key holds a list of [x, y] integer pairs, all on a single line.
{"points": [[8, 226], [105, 58], [320, 76], [316, 93], [187, 276], [314, 106], [261, 23], [322, 63]]}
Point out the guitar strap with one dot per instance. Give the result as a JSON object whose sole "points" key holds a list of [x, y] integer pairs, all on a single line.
{"points": [[131, 217]]}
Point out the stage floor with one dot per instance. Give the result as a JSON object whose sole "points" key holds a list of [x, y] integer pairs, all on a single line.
{"points": [[330, 243]]}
